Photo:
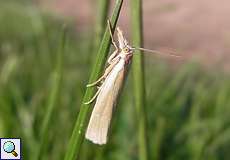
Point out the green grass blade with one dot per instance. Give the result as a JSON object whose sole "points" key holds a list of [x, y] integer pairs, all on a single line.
{"points": [[53, 97], [138, 78], [103, 7], [159, 137], [77, 137]]}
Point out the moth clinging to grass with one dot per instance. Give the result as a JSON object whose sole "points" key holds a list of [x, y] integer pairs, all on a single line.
{"points": [[111, 84]]}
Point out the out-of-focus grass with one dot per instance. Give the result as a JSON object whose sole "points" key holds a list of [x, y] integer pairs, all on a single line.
{"points": [[188, 109]]}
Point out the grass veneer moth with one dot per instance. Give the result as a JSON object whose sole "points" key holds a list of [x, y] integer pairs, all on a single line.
{"points": [[111, 84]]}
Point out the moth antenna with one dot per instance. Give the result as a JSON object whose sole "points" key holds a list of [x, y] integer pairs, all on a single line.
{"points": [[156, 52]]}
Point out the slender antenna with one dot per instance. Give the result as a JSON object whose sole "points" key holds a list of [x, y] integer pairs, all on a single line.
{"points": [[155, 51]]}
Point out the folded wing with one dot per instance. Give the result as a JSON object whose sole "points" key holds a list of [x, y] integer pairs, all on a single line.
{"points": [[101, 116]]}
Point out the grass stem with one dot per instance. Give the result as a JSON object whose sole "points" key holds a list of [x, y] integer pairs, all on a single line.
{"points": [[138, 77]]}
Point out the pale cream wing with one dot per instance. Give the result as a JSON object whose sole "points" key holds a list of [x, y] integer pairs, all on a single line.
{"points": [[101, 116]]}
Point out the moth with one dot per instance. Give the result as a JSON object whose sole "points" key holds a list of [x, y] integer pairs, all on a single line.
{"points": [[111, 84]]}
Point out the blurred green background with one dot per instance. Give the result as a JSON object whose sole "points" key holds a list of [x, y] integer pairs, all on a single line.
{"points": [[187, 106]]}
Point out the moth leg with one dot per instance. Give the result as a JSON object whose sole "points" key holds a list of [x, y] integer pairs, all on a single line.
{"points": [[112, 57], [114, 54], [107, 71], [94, 97], [111, 35], [96, 82]]}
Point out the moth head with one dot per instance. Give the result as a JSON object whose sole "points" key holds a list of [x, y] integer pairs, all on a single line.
{"points": [[127, 49]]}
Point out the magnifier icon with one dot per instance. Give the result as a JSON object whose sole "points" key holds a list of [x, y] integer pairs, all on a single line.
{"points": [[9, 147]]}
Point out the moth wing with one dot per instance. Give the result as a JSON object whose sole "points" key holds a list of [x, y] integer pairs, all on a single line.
{"points": [[101, 116]]}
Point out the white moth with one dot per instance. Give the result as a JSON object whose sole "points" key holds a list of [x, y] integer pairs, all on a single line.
{"points": [[107, 94]]}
